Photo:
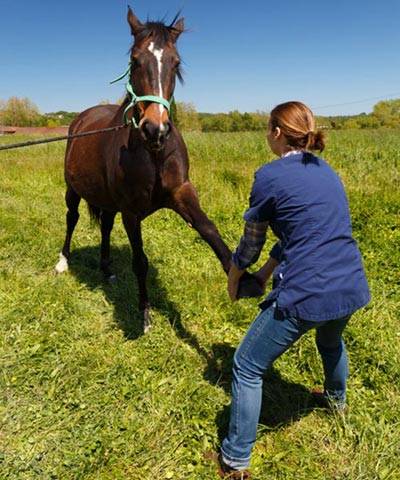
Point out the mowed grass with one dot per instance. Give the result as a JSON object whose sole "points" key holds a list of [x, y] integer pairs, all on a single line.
{"points": [[84, 395]]}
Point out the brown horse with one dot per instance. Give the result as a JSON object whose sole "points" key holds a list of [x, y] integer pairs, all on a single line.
{"points": [[139, 169]]}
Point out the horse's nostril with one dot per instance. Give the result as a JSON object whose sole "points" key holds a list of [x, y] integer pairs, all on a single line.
{"points": [[155, 134], [147, 130], [167, 129]]}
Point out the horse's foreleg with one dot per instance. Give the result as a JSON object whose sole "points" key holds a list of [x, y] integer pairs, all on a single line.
{"points": [[186, 203], [72, 200], [140, 265], [107, 223]]}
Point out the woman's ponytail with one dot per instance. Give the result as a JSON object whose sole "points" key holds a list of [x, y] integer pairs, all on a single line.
{"points": [[316, 140]]}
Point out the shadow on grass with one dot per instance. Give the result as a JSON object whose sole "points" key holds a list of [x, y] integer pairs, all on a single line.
{"points": [[122, 294], [283, 402]]}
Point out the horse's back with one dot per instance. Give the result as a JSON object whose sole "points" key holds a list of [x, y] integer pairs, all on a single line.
{"points": [[93, 118], [87, 158]]}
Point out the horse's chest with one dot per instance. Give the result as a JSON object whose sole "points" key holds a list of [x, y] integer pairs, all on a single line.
{"points": [[140, 190]]}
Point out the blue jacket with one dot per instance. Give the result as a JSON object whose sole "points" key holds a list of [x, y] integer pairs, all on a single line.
{"points": [[321, 276]]}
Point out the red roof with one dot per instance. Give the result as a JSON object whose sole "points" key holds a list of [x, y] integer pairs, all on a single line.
{"points": [[7, 129]]}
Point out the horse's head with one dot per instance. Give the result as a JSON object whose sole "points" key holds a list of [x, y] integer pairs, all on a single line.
{"points": [[154, 67]]}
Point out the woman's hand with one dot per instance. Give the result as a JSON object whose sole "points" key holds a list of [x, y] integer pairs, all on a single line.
{"points": [[233, 281], [265, 272]]}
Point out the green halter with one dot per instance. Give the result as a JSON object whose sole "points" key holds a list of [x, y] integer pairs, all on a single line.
{"points": [[135, 99]]}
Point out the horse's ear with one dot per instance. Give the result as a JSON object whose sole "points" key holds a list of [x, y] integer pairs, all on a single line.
{"points": [[177, 29], [134, 23]]}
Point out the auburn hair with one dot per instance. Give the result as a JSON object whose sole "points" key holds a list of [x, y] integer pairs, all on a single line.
{"points": [[296, 122]]}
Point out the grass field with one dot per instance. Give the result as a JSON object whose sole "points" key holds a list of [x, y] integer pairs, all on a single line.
{"points": [[85, 396]]}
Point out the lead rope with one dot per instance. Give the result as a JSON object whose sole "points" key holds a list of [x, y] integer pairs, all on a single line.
{"points": [[63, 137], [134, 100]]}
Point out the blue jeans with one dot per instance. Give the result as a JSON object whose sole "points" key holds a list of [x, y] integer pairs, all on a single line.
{"points": [[267, 339]]}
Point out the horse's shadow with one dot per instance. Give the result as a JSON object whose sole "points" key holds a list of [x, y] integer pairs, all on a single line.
{"points": [[283, 402], [122, 293]]}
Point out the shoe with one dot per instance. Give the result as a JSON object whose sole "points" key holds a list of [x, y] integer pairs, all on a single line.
{"points": [[321, 400], [224, 471]]}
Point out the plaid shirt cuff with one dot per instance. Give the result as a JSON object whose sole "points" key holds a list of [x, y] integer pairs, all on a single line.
{"points": [[250, 245]]}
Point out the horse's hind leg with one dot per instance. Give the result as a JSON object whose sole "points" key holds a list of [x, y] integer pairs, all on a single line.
{"points": [[140, 265], [107, 223], [72, 200]]}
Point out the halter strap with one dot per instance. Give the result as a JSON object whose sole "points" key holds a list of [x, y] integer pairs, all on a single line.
{"points": [[135, 99]]}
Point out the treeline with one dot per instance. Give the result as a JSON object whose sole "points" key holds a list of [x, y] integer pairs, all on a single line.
{"points": [[385, 114], [24, 113]]}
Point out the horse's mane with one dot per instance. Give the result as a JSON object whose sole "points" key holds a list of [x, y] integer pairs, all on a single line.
{"points": [[158, 30]]}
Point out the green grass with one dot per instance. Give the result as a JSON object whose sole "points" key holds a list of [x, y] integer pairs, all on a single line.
{"points": [[83, 395]]}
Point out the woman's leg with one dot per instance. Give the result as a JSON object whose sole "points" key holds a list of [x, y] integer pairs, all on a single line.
{"points": [[334, 358], [266, 339]]}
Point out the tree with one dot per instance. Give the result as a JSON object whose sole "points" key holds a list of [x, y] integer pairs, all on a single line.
{"points": [[219, 122], [187, 117], [248, 123], [19, 112], [351, 123], [369, 121], [236, 121], [388, 112]]}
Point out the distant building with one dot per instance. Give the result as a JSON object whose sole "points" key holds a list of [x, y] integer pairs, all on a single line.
{"points": [[7, 130]]}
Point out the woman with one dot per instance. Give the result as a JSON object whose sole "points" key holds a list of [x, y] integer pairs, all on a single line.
{"points": [[319, 280]]}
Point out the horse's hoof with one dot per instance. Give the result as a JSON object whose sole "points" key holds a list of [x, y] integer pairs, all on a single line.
{"points": [[249, 287], [147, 328], [62, 265], [111, 278], [146, 321], [105, 267]]}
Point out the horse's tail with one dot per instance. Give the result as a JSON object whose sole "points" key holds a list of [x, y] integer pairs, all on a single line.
{"points": [[94, 213]]}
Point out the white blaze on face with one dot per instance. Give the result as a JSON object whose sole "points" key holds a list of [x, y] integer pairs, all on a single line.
{"points": [[158, 53]]}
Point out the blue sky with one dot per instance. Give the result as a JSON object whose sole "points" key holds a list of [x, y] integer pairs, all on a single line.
{"points": [[340, 57]]}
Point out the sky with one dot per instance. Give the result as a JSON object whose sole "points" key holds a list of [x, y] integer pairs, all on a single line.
{"points": [[339, 57]]}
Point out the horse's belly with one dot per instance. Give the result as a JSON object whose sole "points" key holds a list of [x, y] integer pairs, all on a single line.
{"points": [[109, 194], [88, 184]]}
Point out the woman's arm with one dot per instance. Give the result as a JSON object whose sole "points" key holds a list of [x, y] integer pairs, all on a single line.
{"points": [[275, 258], [266, 271], [246, 254], [250, 244]]}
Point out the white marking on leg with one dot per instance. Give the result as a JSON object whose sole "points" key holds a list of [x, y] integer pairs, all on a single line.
{"points": [[62, 265], [158, 53]]}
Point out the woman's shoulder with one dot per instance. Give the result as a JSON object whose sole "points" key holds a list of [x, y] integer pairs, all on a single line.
{"points": [[285, 165], [269, 168], [277, 168]]}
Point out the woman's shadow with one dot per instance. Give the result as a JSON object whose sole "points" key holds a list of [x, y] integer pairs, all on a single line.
{"points": [[283, 401]]}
